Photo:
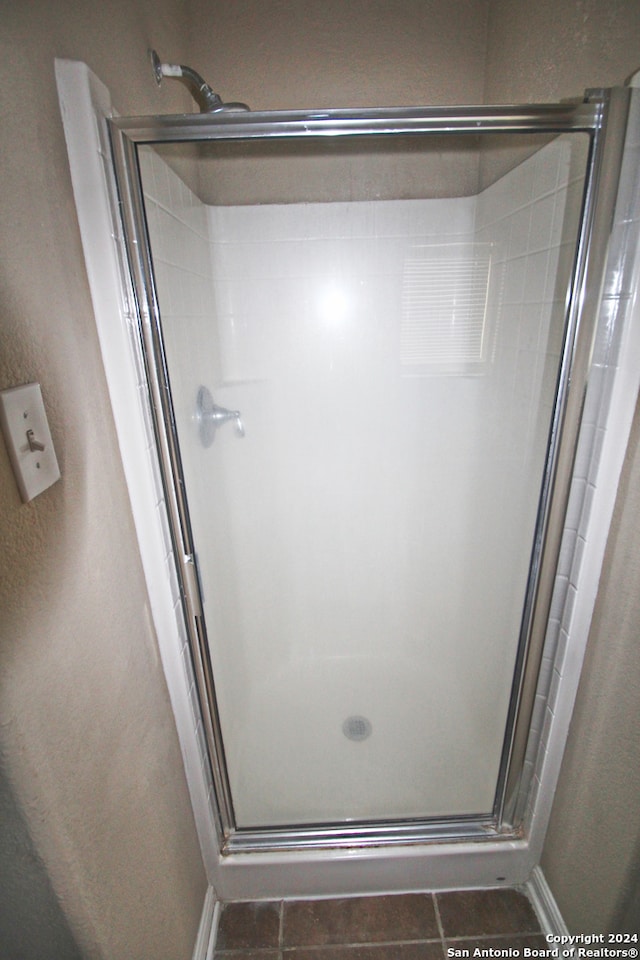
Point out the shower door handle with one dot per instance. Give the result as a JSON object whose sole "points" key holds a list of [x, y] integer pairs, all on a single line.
{"points": [[210, 416], [220, 415]]}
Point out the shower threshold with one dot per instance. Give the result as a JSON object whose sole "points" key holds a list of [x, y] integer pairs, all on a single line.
{"points": [[362, 835]]}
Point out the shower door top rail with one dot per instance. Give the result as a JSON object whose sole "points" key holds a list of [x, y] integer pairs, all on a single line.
{"points": [[544, 118]]}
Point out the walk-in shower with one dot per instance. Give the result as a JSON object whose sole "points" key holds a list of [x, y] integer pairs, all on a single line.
{"points": [[366, 337]]}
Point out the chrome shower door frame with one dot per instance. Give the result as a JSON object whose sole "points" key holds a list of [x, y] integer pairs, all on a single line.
{"points": [[601, 116]]}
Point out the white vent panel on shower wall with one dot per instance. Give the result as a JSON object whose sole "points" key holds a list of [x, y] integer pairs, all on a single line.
{"points": [[445, 300]]}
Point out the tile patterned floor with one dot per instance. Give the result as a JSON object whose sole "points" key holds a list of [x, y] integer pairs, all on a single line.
{"points": [[416, 926]]}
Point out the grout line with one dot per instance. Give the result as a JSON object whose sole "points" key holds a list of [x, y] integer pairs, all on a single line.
{"points": [[438, 918], [281, 927], [364, 943], [494, 936], [359, 945]]}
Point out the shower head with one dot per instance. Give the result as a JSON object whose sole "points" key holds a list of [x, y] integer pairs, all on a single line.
{"points": [[207, 100]]}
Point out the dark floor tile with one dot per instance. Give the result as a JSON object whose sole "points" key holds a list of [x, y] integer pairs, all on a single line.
{"points": [[394, 951], [478, 913], [466, 948], [359, 920], [244, 925]]}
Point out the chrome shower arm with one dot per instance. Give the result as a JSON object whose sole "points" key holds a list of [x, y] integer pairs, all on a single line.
{"points": [[207, 100]]}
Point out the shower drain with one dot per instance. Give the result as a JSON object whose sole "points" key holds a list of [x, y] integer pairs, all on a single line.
{"points": [[357, 728]]}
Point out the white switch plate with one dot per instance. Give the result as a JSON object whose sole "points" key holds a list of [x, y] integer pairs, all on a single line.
{"points": [[22, 410]]}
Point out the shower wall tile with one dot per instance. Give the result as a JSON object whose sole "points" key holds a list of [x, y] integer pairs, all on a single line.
{"points": [[519, 232], [535, 277], [542, 223], [547, 175], [598, 442], [576, 501], [514, 280], [629, 196]]}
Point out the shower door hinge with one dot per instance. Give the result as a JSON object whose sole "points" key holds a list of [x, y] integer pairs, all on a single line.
{"points": [[191, 582]]}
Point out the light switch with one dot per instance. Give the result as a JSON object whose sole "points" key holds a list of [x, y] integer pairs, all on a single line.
{"points": [[28, 439]]}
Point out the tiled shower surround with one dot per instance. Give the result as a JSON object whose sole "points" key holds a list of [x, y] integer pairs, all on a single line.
{"points": [[364, 548]]}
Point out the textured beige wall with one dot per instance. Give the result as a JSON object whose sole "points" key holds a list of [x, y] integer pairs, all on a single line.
{"points": [[85, 723], [284, 54], [542, 50]]}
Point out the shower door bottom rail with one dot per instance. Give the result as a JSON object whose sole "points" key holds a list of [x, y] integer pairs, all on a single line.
{"points": [[461, 829]]}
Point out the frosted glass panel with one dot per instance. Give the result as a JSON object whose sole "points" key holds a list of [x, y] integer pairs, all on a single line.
{"points": [[364, 547]]}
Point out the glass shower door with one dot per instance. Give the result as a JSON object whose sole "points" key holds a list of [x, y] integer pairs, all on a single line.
{"points": [[363, 341]]}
